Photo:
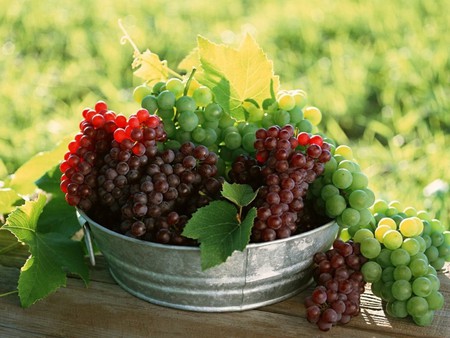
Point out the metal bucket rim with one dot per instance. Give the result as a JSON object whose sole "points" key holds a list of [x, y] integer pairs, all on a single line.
{"points": [[82, 217]]}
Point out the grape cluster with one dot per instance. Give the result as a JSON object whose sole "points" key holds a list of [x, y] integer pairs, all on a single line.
{"points": [[336, 298], [342, 192], [405, 250], [174, 185], [283, 169], [117, 171], [105, 154]]}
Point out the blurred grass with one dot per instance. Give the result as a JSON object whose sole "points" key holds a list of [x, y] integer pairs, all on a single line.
{"points": [[378, 70]]}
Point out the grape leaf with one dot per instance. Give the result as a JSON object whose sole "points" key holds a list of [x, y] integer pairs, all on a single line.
{"points": [[57, 216], [52, 254], [219, 231], [151, 68], [239, 194], [190, 61], [235, 75], [9, 199], [23, 179]]}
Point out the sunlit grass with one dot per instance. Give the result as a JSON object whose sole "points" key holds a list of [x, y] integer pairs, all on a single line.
{"points": [[379, 71]]}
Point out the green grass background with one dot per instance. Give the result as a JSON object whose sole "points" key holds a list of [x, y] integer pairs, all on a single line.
{"points": [[378, 70]]}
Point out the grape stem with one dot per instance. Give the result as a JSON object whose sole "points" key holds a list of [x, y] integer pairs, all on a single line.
{"points": [[137, 54], [188, 83], [8, 293]]}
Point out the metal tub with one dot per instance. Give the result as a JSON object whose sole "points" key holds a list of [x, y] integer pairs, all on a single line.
{"points": [[264, 273]]}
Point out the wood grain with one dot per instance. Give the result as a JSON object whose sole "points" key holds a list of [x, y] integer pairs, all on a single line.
{"points": [[103, 309]]}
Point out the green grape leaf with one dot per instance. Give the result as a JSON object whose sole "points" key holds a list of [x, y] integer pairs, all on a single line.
{"points": [[220, 231], [239, 194], [151, 68], [52, 254], [235, 75], [23, 180], [57, 216], [9, 199]]}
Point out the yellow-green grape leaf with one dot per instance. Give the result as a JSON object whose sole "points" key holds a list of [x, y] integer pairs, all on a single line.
{"points": [[3, 170], [219, 231], [192, 60], [52, 254], [151, 68], [22, 181], [9, 199], [234, 75]]}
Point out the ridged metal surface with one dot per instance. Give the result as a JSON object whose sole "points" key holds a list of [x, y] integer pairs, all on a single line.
{"points": [[264, 273]]}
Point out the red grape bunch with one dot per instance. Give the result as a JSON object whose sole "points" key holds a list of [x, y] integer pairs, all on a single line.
{"points": [[336, 298], [284, 167]]}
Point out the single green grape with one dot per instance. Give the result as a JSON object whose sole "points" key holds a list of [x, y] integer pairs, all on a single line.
{"points": [[401, 290], [166, 99], [432, 253], [313, 114], [248, 141], [359, 181], [255, 114], [361, 234], [347, 164], [295, 115], [418, 267], [435, 282], [304, 125], [435, 300], [397, 309], [233, 140], [386, 292], [335, 205], [380, 206], [370, 247], [281, 117], [411, 245], [400, 257], [169, 127], [392, 239], [213, 112], [358, 199], [176, 86], [422, 286], [437, 238], [166, 114], [185, 104], [350, 217], [198, 135], [188, 120], [342, 178], [202, 96], [402, 272], [150, 103], [140, 92], [371, 271], [328, 190], [211, 124], [158, 87], [210, 138], [388, 274], [286, 101], [425, 319], [300, 98]]}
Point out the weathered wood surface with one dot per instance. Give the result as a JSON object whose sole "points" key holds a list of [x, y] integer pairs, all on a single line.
{"points": [[103, 309]]}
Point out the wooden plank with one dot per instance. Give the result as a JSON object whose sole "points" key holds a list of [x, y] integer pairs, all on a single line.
{"points": [[105, 310]]}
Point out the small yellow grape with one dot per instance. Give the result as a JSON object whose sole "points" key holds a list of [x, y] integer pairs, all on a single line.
{"points": [[389, 222], [312, 114]]}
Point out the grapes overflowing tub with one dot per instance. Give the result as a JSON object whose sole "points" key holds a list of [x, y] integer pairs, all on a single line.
{"points": [[168, 275]]}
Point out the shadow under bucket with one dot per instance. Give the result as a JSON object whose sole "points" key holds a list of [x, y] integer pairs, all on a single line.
{"points": [[168, 275]]}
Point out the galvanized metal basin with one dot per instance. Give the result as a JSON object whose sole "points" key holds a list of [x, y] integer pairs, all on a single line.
{"points": [[263, 274]]}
